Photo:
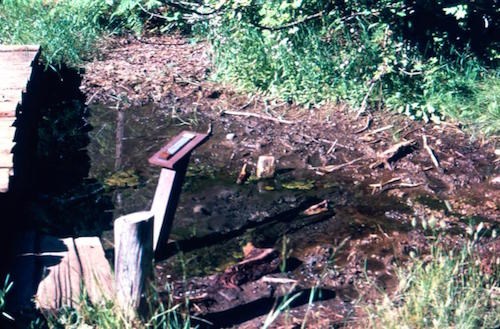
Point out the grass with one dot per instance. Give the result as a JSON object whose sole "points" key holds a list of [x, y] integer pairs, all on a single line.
{"points": [[107, 315], [362, 61], [67, 30], [449, 291]]}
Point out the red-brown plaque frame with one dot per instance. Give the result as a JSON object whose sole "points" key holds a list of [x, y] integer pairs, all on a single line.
{"points": [[159, 159]]}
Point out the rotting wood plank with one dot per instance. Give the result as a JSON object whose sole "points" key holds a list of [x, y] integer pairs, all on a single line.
{"points": [[62, 285], [97, 275]]}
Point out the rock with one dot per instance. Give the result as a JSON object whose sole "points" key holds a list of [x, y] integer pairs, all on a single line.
{"points": [[266, 166], [495, 181], [230, 136]]}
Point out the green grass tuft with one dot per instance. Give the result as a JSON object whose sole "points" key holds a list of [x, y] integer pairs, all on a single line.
{"points": [[450, 291]]}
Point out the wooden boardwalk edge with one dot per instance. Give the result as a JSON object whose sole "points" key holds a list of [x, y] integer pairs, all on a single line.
{"points": [[56, 273]]}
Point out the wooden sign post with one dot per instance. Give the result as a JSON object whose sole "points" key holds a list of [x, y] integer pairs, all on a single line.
{"points": [[174, 159]]}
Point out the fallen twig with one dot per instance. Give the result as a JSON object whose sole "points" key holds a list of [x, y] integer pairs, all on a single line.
{"points": [[400, 185], [383, 184], [364, 103], [429, 150], [366, 126], [317, 208], [332, 148], [256, 115], [269, 279], [376, 131], [332, 168]]}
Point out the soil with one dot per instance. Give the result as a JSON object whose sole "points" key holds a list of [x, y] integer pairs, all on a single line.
{"points": [[375, 171]]}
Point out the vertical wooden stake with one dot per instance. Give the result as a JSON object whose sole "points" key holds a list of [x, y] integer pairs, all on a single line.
{"points": [[165, 203], [133, 259]]}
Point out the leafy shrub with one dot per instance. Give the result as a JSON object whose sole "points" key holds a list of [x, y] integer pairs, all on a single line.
{"points": [[363, 52]]}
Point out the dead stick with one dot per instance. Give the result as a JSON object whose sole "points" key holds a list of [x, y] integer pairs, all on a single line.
{"points": [[382, 184], [431, 153], [376, 131], [332, 168], [256, 115], [366, 126], [400, 185], [332, 148]]}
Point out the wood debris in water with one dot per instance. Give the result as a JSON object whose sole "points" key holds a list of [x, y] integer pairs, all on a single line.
{"points": [[317, 208], [266, 166], [243, 175], [392, 154]]}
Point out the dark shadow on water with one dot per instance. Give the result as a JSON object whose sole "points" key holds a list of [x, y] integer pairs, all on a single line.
{"points": [[65, 202], [50, 193]]}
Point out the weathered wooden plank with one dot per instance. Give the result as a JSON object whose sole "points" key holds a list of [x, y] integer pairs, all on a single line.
{"points": [[4, 179], [19, 48], [133, 259], [97, 275], [10, 96], [17, 53], [62, 285], [6, 161], [16, 73], [16, 68], [7, 133], [8, 108]]}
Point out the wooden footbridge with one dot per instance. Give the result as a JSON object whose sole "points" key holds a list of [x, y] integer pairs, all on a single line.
{"points": [[54, 272], [15, 70]]}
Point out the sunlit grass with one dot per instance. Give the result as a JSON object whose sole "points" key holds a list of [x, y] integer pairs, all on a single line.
{"points": [[448, 291], [67, 30]]}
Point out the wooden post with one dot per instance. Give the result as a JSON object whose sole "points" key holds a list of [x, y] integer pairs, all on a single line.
{"points": [[165, 203], [173, 158], [133, 259]]}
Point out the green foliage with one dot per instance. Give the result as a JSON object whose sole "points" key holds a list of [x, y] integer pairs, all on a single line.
{"points": [[7, 286], [107, 315], [67, 30], [370, 54], [449, 291]]}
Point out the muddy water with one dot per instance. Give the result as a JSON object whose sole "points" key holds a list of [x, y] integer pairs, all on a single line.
{"points": [[216, 217]]}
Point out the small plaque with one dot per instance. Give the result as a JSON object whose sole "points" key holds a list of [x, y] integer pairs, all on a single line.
{"points": [[177, 148]]}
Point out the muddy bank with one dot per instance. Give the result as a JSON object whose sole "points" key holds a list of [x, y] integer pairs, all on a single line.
{"points": [[387, 181]]}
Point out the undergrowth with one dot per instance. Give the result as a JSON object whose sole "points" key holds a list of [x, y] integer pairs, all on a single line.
{"points": [[448, 292], [449, 289], [67, 30], [358, 54], [157, 314]]}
